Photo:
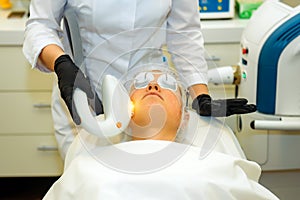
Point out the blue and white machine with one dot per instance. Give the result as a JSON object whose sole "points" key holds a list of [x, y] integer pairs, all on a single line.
{"points": [[270, 66]]}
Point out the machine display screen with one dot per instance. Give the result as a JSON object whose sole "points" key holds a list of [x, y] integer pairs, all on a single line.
{"points": [[213, 6]]}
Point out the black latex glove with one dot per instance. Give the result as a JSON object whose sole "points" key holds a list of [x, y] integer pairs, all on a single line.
{"points": [[205, 106], [71, 77]]}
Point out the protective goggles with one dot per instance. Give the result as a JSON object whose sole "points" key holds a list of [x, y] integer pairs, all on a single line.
{"points": [[164, 80]]}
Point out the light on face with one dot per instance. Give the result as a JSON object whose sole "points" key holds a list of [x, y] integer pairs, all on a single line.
{"points": [[131, 108]]}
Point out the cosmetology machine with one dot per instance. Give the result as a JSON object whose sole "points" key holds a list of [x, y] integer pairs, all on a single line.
{"points": [[267, 76], [270, 68], [117, 116]]}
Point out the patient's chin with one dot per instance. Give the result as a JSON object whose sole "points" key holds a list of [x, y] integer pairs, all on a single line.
{"points": [[149, 115], [149, 122]]}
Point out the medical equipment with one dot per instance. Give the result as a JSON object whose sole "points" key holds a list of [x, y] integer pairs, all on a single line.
{"points": [[225, 75], [117, 114], [216, 9], [270, 63]]}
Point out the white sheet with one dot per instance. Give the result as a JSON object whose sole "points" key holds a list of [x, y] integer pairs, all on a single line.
{"points": [[210, 165], [217, 176], [212, 134], [206, 132]]}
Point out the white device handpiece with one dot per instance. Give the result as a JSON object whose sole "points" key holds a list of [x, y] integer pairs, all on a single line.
{"points": [[284, 123], [225, 75], [117, 109], [221, 75]]}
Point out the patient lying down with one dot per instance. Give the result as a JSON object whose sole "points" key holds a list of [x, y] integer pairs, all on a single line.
{"points": [[156, 161]]}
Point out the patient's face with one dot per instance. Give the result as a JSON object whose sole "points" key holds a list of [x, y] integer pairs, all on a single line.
{"points": [[157, 106]]}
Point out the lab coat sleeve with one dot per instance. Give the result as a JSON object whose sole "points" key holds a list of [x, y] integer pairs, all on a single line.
{"points": [[185, 41], [42, 29]]}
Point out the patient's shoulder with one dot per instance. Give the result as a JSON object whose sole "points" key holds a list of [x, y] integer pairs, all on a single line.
{"points": [[212, 134]]}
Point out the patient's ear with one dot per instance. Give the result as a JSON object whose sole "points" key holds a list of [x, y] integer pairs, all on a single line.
{"points": [[181, 132]]}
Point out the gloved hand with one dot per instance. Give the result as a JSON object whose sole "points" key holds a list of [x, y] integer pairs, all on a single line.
{"points": [[71, 77], [205, 106]]}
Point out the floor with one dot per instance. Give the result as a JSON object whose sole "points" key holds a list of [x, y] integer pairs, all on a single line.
{"points": [[25, 188], [284, 184]]}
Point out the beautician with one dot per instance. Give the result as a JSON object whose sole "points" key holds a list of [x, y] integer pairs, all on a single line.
{"points": [[130, 33]]}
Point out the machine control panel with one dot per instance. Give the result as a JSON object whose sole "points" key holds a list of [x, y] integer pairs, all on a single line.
{"points": [[210, 9]]}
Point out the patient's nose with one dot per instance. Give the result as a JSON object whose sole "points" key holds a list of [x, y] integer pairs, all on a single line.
{"points": [[153, 86]]}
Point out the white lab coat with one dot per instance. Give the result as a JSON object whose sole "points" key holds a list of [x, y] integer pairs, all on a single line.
{"points": [[118, 35]]}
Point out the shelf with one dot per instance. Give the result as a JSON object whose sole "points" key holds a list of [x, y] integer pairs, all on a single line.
{"points": [[214, 31], [223, 31]]}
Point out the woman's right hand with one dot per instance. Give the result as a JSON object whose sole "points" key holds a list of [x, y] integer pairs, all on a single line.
{"points": [[71, 77]]}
